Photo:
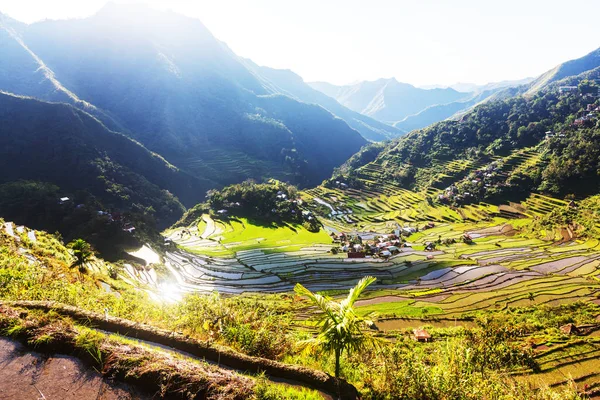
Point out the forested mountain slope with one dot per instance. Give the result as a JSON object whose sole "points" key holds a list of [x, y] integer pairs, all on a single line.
{"points": [[569, 68], [290, 84], [60, 144], [503, 149], [166, 81]]}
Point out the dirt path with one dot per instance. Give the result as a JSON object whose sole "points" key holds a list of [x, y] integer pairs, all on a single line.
{"points": [[26, 375], [172, 351], [293, 375]]}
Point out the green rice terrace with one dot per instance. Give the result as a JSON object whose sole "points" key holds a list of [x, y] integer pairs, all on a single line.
{"points": [[447, 278], [492, 298]]}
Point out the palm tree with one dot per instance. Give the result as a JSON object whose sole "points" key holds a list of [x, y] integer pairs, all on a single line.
{"points": [[81, 250], [341, 329]]}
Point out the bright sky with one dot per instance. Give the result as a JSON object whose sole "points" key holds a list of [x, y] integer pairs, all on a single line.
{"points": [[417, 41]]}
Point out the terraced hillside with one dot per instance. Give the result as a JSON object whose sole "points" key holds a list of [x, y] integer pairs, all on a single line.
{"points": [[378, 202], [504, 267]]}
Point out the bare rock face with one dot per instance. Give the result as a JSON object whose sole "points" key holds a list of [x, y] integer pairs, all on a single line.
{"points": [[29, 375]]}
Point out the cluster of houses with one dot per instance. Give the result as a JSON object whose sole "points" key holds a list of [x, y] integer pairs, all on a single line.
{"points": [[363, 245], [373, 245], [111, 217], [567, 89], [464, 191], [575, 89], [590, 114], [340, 185], [117, 217]]}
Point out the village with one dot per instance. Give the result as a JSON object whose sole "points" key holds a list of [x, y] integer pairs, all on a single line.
{"points": [[385, 246], [110, 217]]}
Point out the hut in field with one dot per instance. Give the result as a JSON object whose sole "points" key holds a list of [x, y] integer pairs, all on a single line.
{"points": [[421, 335], [569, 329]]}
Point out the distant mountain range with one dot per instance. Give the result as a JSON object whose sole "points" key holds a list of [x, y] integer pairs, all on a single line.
{"points": [[164, 80], [473, 87], [290, 84], [407, 107], [387, 99]]}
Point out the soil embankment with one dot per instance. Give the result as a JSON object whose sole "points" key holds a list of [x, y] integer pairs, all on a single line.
{"points": [[27, 375], [223, 356]]}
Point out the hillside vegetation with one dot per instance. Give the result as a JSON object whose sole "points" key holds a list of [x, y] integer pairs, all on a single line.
{"points": [[504, 148], [60, 144], [488, 357], [177, 90]]}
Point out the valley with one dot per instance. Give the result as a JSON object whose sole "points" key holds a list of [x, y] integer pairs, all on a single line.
{"points": [[181, 222]]}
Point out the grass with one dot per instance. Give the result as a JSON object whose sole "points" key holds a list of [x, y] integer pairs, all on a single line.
{"points": [[405, 308], [243, 234], [253, 323], [265, 390]]}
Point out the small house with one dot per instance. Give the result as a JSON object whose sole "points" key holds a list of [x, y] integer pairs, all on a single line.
{"points": [[567, 89], [63, 200], [421, 335], [128, 228], [569, 329]]}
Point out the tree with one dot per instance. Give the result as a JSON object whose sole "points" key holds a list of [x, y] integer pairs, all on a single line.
{"points": [[587, 87], [341, 329], [81, 250]]}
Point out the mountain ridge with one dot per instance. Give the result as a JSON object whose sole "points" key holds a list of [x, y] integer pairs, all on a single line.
{"points": [[386, 99], [63, 145], [166, 81]]}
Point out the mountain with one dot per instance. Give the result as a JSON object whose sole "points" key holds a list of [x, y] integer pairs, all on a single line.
{"points": [[440, 112], [569, 68], [164, 80], [388, 100], [505, 148], [288, 83], [473, 87], [62, 145]]}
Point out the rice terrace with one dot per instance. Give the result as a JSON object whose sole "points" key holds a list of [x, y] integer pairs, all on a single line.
{"points": [[503, 266], [179, 221]]}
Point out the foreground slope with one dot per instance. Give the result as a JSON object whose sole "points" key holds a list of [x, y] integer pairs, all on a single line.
{"points": [[502, 296]]}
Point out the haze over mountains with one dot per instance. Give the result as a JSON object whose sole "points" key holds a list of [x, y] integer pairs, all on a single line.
{"points": [[193, 115], [164, 80], [466, 87], [407, 107]]}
